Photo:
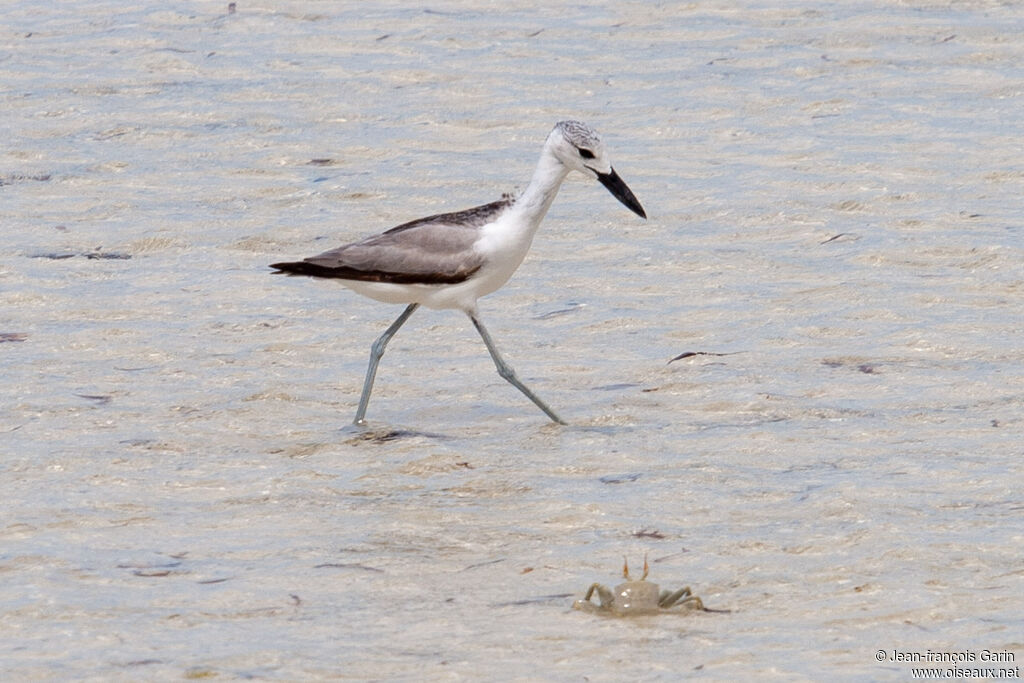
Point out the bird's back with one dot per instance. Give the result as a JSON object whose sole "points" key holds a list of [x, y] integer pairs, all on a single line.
{"points": [[439, 249]]}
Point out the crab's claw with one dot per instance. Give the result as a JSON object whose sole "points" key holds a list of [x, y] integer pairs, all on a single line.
{"points": [[625, 568]]}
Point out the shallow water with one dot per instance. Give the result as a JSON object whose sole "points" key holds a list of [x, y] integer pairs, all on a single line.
{"points": [[834, 199]]}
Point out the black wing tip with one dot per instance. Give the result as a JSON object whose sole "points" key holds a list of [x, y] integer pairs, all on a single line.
{"points": [[345, 273], [289, 268], [300, 268]]}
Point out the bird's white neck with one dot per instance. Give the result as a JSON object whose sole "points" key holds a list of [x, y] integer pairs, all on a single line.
{"points": [[507, 240], [534, 202]]}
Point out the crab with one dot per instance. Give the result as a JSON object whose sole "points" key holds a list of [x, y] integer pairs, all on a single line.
{"points": [[634, 598]]}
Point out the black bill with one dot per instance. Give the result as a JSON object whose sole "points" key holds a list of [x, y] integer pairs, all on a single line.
{"points": [[614, 183]]}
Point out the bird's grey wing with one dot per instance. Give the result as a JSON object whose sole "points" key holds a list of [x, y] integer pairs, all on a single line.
{"points": [[437, 249], [429, 253]]}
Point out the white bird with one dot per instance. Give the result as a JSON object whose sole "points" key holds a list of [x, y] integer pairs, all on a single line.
{"points": [[451, 260]]}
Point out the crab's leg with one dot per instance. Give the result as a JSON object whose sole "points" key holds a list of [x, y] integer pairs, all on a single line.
{"points": [[696, 602], [681, 596], [668, 598], [603, 593]]}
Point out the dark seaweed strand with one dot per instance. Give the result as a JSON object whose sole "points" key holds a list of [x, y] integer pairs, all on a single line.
{"points": [[346, 273]]}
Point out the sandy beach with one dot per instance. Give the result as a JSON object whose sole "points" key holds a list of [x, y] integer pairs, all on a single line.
{"points": [[835, 244]]}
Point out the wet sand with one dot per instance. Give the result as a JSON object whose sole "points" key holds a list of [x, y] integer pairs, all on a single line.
{"points": [[834, 193]]}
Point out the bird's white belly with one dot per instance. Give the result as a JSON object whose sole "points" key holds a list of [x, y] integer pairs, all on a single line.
{"points": [[504, 244], [461, 296]]}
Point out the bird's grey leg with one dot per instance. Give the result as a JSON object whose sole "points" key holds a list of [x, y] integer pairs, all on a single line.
{"points": [[376, 351], [506, 371]]}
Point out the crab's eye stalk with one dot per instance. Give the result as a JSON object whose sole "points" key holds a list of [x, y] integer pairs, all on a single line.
{"points": [[586, 153]]}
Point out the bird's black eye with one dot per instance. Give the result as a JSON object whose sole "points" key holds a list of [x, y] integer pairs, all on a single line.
{"points": [[586, 153]]}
